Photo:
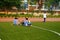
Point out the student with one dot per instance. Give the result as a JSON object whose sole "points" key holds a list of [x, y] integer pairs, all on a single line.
{"points": [[44, 16], [15, 21], [26, 22], [29, 23]]}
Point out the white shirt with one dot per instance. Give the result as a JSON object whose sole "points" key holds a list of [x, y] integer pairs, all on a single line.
{"points": [[44, 15], [25, 0]]}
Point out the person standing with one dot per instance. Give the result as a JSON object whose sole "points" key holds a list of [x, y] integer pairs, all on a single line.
{"points": [[44, 16]]}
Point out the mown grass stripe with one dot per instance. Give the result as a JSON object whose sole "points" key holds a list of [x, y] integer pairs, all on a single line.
{"points": [[47, 30]]}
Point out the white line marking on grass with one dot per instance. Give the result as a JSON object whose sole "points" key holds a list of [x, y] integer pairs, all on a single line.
{"points": [[0, 39], [47, 30]]}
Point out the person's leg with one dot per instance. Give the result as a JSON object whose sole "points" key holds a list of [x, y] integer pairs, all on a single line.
{"points": [[44, 19], [26, 24]]}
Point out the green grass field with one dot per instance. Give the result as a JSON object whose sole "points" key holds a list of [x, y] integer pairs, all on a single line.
{"points": [[8, 31]]}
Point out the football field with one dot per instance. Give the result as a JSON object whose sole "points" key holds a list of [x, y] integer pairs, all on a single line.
{"points": [[38, 31]]}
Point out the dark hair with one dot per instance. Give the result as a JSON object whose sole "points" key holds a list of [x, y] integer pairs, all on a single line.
{"points": [[44, 11], [26, 18], [16, 18]]}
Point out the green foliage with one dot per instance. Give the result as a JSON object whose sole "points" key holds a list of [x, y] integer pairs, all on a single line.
{"points": [[27, 15], [33, 2], [52, 3], [9, 3]]}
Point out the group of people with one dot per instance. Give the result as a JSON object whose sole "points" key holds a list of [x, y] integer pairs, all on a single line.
{"points": [[25, 22]]}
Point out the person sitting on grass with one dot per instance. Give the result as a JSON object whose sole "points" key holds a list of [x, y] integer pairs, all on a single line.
{"points": [[15, 21], [26, 22], [29, 23]]}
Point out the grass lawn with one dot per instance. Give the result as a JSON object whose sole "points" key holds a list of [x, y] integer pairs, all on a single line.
{"points": [[12, 32]]}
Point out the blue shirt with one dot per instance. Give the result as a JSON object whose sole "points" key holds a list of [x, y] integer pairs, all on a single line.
{"points": [[15, 21], [26, 22]]}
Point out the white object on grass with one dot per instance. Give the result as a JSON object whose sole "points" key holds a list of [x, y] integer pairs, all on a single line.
{"points": [[0, 39]]}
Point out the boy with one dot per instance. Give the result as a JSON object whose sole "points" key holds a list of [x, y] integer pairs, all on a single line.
{"points": [[44, 16], [15, 21]]}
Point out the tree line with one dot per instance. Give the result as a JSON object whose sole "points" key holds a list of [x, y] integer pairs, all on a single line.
{"points": [[8, 4]]}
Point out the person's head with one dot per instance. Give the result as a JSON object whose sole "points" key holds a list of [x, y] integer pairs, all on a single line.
{"points": [[26, 18], [16, 18], [44, 11]]}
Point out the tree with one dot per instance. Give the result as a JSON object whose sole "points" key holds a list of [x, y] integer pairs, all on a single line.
{"points": [[9, 3], [51, 4]]}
